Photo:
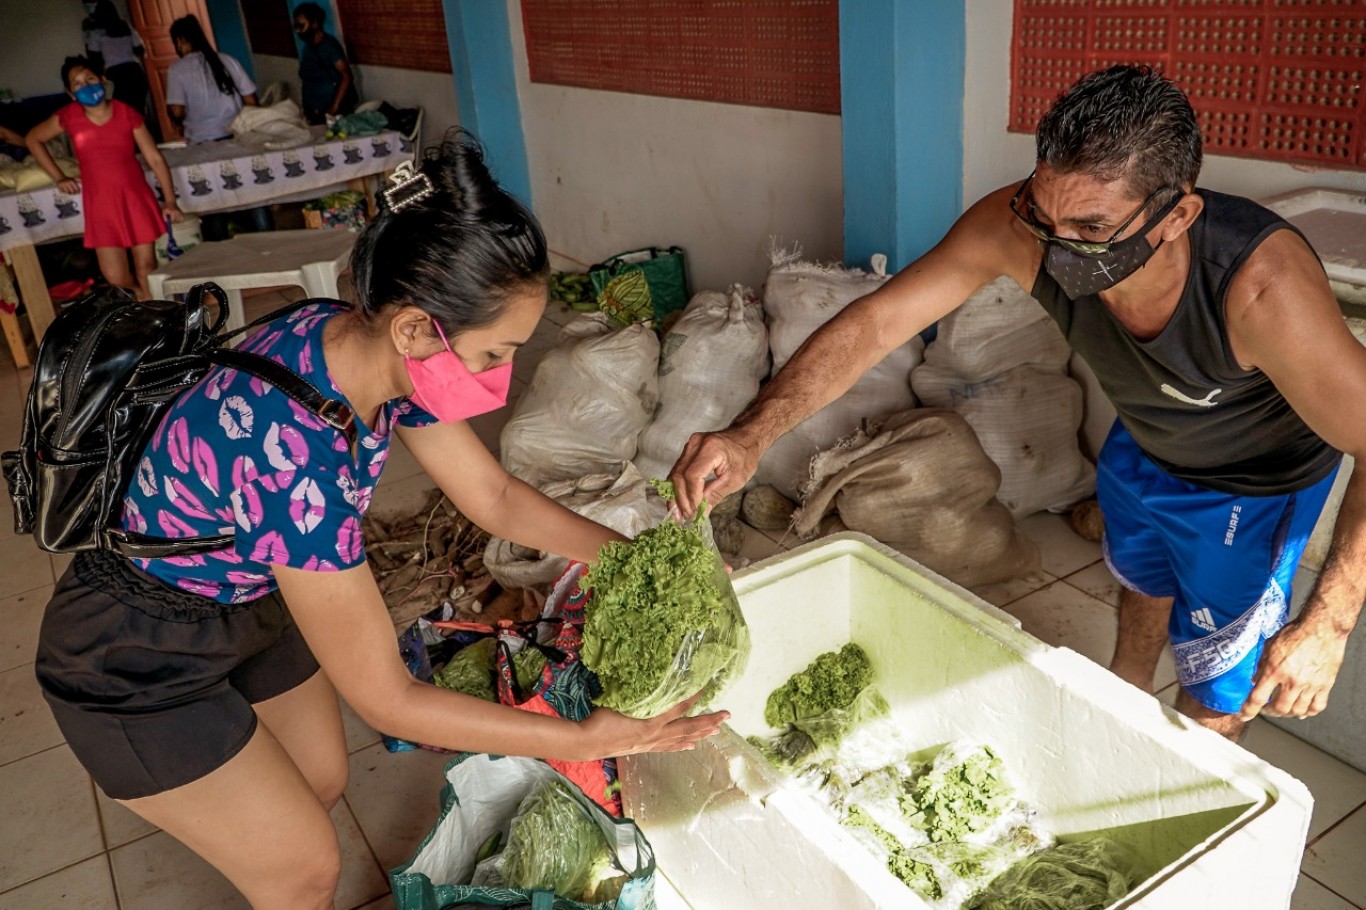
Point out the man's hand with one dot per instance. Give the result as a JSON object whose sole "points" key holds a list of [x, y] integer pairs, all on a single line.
{"points": [[720, 456], [1299, 665]]}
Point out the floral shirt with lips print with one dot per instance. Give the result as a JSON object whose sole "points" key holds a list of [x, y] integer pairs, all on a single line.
{"points": [[235, 455]]}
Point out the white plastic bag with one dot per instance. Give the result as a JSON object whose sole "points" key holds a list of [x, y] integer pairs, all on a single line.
{"points": [[710, 366], [585, 408], [620, 501], [279, 126], [800, 297]]}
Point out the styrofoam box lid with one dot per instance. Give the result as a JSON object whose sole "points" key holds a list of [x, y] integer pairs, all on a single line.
{"points": [[1334, 221], [1212, 824]]}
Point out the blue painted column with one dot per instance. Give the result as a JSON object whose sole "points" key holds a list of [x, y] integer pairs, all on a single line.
{"points": [[480, 41], [901, 95], [230, 33]]}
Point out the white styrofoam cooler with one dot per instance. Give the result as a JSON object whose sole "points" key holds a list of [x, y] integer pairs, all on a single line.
{"points": [[1213, 825]]}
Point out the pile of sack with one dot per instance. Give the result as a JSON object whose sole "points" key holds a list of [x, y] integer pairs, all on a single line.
{"points": [[935, 451]]}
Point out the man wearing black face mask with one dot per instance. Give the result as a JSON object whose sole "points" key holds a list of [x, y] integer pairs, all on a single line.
{"points": [[1210, 325]]}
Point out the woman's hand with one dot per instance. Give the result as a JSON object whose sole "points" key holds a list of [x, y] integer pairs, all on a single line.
{"points": [[69, 186], [172, 211], [608, 734]]}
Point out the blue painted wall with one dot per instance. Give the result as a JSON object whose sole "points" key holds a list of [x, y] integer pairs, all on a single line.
{"points": [[230, 32], [486, 87], [901, 94]]}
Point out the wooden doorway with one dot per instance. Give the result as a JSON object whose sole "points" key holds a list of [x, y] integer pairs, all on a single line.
{"points": [[152, 19]]}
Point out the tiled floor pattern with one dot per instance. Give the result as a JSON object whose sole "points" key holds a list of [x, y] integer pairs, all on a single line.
{"points": [[63, 844]]}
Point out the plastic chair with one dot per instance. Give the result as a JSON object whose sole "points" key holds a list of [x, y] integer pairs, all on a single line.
{"points": [[311, 260]]}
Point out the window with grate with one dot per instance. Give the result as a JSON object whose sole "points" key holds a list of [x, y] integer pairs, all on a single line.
{"points": [[408, 34], [269, 27], [1269, 79], [765, 53]]}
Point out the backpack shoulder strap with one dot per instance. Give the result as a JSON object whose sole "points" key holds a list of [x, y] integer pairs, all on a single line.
{"points": [[331, 411]]}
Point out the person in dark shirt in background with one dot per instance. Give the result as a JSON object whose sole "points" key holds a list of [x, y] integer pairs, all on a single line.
{"points": [[328, 85]]}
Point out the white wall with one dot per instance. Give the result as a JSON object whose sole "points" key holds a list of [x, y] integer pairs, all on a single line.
{"points": [[612, 171], [433, 92], [36, 38]]}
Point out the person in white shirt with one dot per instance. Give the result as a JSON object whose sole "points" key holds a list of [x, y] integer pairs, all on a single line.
{"points": [[120, 49], [204, 89], [204, 92]]}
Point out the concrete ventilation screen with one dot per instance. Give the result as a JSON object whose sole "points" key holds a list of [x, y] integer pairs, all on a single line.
{"points": [[407, 34], [764, 53], [1269, 79]]}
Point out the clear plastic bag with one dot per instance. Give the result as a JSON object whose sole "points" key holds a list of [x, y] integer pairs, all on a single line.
{"points": [[553, 845], [663, 621], [1085, 875]]}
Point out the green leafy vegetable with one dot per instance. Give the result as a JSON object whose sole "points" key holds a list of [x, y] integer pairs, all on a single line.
{"points": [[917, 875], [663, 621], [1086, 875], [832, 680], [554, 845], [963, 793], [527, 666], [471, 670]]}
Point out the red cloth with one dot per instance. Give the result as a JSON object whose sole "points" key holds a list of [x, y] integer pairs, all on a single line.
{"points": [[120, 208]]}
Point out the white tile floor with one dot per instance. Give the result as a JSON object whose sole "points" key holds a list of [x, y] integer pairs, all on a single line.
{"points": [[62, 844]]}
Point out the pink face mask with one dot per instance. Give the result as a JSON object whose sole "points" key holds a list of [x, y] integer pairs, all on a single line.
{"points": [[445, 388]]}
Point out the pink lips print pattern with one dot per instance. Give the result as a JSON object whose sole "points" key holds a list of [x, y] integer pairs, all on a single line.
{"points": [[233, 458]]}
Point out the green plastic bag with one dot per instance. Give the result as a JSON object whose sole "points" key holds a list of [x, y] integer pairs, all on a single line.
{"points": [[641, 284], [478, 803]]}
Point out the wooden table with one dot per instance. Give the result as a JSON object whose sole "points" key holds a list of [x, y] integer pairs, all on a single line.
{"points": [[208, 177]]}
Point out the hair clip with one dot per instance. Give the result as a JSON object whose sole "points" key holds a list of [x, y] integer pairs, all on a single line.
{"points": [[409, 186]]}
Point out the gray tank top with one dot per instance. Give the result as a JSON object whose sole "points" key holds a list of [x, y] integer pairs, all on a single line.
{"points": [[1183, 396]]}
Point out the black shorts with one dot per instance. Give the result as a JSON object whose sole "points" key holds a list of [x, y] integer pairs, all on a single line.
{"points": [[151, 686]]}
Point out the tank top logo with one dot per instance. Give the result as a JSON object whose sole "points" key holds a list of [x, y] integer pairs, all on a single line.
{"points": [[1206, 402]]}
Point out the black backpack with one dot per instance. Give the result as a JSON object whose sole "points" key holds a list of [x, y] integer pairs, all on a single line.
{"points": [[107, 369]]}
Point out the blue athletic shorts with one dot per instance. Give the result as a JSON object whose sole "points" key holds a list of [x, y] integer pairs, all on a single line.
{"points": [[1228, 560]]}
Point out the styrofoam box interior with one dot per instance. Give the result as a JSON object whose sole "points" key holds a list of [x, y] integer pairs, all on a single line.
{"points": [[1334, 221], [1212, 825]]}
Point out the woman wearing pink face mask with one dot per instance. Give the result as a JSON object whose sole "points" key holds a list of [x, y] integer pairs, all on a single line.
{"points": [[185, 685]]}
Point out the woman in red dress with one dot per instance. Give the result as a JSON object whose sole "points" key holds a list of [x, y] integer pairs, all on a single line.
{"points": [[121, 213]]}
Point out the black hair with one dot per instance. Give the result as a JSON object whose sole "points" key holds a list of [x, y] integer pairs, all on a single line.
{"points": [[312, 12], [71, 63], [108, 18], [188, 29], [1125, 122], [459, 253]]}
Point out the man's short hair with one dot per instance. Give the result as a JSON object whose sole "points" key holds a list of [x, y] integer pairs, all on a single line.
{"points": [[312, 12], [1126, 122]]}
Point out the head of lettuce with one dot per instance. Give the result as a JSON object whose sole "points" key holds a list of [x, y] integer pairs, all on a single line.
{"points": [[663, 622]]}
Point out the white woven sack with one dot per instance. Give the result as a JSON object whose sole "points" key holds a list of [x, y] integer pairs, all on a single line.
{"points": [[1027, 423], [999, 328], [800, 297], [1000, 362], [620, 500], [590, 398], [710, 367]]}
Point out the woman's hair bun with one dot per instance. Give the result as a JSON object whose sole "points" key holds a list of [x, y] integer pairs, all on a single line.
{"points": [[458, 252]]}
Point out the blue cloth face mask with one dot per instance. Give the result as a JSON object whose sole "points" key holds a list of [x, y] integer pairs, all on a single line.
{"points": [[90, 95]]}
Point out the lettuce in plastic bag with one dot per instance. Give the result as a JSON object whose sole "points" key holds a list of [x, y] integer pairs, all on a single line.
{"points": [[1085, 875], [554, 845], [663, 621], [471, 670]]}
